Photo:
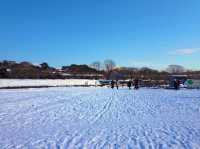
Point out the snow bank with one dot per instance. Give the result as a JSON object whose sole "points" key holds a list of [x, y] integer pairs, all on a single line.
{"points": [[45, 82]]}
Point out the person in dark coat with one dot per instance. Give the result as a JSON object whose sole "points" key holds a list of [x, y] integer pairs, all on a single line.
{"points": [[129, 84], [136, 83], [175, 84], [117, 84], [112, 84], [178, 84]]}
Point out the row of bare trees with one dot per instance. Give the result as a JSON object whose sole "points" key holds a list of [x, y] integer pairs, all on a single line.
{"points": [[108, 66], [175, 69]]}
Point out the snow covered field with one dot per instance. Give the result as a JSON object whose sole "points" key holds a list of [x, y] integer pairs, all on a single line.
{"points": [[99, 118]]}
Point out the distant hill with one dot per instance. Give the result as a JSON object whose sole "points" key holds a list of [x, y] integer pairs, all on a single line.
{"points": [[26, 70], [79, 69]]}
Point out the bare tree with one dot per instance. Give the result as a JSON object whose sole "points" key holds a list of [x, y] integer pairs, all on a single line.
{"points": [[175, 69], [109, 66], [96, 65]]}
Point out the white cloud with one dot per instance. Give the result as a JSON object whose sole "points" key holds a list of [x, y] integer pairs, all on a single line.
{"points": [[185, 51]]}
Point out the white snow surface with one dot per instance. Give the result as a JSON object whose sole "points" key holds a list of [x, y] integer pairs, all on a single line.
{"points": [[76, 118], [45, 82]]}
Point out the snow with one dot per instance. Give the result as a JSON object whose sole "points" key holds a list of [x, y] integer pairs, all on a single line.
{"points": [[45, 82], [69, 117]]}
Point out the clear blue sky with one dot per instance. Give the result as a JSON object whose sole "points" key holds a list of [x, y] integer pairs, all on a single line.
{"points": [[131, 32]]}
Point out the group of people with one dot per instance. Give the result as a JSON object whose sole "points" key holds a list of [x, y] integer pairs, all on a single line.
{"points": [[130, 83], [135, 84]]}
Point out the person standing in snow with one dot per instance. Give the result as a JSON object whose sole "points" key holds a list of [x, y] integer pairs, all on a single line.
{"points": [[112, 84], [175, 84], [178, 84], [136, 83], [129, 84], [117, 85]]}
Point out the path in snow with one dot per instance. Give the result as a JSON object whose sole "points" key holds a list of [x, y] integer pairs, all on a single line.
{"points": [[99, 118]]}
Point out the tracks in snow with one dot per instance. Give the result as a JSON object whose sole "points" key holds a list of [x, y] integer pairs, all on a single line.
{"points": [[100, 113], [100, 118]]}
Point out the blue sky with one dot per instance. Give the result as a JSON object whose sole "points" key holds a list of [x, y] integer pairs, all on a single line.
{"points": [[152, 33]]}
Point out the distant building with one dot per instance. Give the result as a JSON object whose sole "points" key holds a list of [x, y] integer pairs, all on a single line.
{"points": [[181, 78]]}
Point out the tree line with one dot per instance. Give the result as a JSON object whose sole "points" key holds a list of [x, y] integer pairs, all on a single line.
{"points": [[96, 70]]}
